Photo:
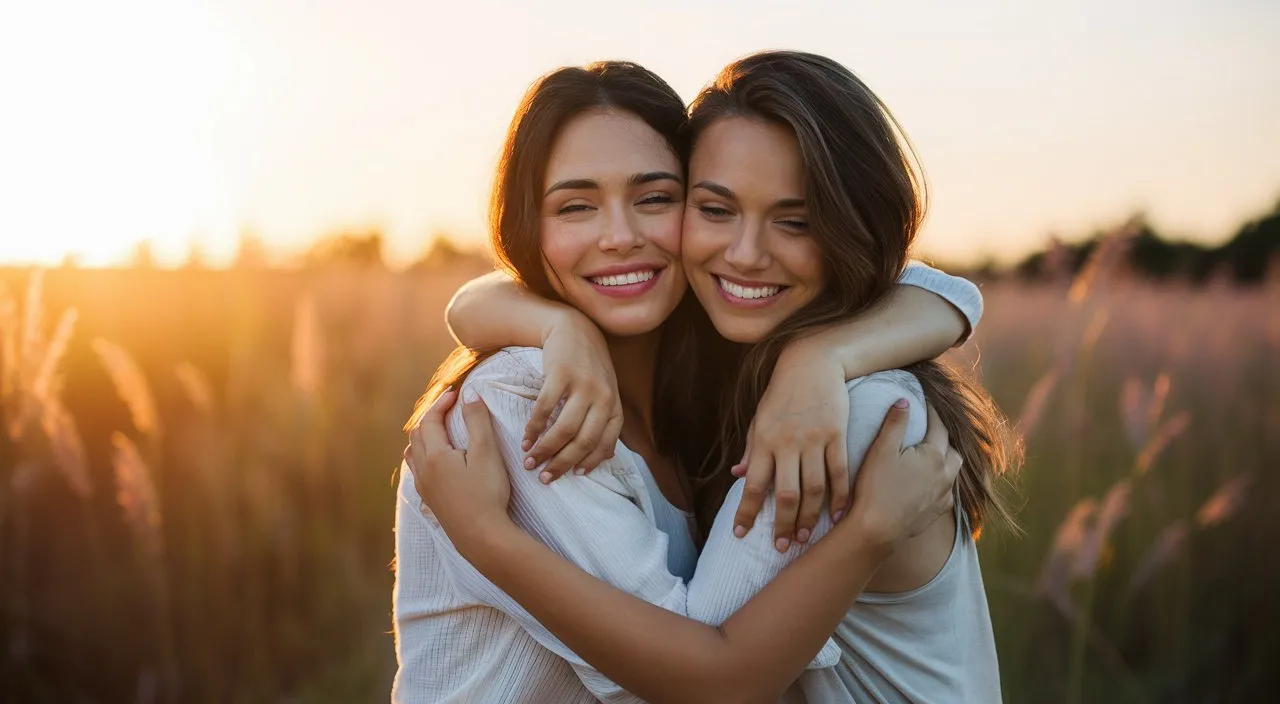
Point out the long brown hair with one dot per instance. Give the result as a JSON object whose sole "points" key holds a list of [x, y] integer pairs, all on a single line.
{"points": [[514, 225], [866, 200]]}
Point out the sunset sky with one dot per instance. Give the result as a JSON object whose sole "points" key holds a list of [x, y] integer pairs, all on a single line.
{"points": [[183, 121]]}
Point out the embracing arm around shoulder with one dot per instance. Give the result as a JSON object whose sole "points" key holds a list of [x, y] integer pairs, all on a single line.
{"points": [[796, 443], [659, 655], [492, 312]]}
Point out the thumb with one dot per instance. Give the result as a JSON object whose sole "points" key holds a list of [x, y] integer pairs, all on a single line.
{"points": [[481, 440], [888, 442]]}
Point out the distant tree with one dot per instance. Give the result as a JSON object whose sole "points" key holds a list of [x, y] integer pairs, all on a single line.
{"points": [[444, 252], [1251, 250], [361, 249], [251, 251], [144, 256]]}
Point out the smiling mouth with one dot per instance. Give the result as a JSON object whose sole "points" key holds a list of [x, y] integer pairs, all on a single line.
{"points": [[748, 294], [632, 277]]}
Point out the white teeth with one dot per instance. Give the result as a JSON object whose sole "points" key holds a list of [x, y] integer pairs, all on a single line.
{"points": [[633, 277], [746, 292]]}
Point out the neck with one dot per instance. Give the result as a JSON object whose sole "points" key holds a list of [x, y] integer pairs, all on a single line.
{"points": [[635, 360]]}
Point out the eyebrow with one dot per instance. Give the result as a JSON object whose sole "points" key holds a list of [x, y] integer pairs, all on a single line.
{"points": [[586, 184], [725, 192]]}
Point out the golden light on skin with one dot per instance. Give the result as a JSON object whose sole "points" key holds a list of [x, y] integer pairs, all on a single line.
{"points": [[114, 142]]}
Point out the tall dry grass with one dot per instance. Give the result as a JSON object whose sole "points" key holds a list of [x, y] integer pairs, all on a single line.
{"points": [[196, 483]]}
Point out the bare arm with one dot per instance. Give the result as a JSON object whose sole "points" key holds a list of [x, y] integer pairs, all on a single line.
{"points": [[491, 312], [662, 656]]}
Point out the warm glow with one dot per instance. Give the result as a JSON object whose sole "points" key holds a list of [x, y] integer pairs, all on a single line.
{"points": [[115, 148], [183, 122]]}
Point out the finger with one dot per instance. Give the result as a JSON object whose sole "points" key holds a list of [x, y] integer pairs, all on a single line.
{"points": [[565, 428], [480, 436], [605, 449], [588, 438], [888, 442], [813, 489], [548, 398], [838, 478], [430, 432], [759, 479], [936, 435], [786, 485]]}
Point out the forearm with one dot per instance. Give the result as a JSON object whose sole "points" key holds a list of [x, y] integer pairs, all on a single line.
{"points": [[909, 325], [491, 312], [665, 657]]}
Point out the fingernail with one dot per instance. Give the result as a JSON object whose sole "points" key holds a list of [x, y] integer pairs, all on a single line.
{"points": [[545, 477], [525, 445], [470, 396], [530, 463], [802, 535], [579, 471], [739, 531], [900, 403], [736, 470], [782, 544], [838, 515]]}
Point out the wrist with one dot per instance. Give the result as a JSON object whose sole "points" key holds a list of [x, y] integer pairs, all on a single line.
{"points": [[568, 318], [874, 538], [829, 347], [484, 538]]}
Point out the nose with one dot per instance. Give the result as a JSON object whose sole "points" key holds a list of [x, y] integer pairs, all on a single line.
{"points": [[620, 232], [747, 251]]}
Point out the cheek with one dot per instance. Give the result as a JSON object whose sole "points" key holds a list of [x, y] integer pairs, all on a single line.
{"points": [[664, 232], [697, 242], [562, 248], [804, 260]]}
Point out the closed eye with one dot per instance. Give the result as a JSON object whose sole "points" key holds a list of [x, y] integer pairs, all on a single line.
{"points": [[712, 211], [795, 225], [657, 199], [574, 208]]}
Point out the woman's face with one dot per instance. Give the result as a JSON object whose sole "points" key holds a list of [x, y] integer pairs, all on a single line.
{"points": [[747, 250], [611, 212]]}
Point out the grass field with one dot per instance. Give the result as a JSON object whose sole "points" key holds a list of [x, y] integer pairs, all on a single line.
{"points": [[196, 488]]}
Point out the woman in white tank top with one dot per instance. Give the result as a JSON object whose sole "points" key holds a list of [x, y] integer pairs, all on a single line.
{"points": [[755, 282]]}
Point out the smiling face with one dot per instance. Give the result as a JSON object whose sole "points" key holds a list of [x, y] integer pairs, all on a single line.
{"points": [[747, 251], [610, 222]]}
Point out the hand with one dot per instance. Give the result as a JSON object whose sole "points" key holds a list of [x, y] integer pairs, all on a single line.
{"points": [[797, 442], [900, 493], [467, 491], [579, 371]]}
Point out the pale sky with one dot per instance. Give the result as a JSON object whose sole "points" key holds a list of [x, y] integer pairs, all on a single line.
{"points": [[183, 120]]}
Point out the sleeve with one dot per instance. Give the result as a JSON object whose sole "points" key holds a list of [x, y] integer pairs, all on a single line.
{"points": [[596, 520], [958, 291], [732, 570]]}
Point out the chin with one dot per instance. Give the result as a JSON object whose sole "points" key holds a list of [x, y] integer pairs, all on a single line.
{"points": [[742, 332]]}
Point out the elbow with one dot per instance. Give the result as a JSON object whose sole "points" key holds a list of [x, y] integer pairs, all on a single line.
{"points": [[455, 314]]}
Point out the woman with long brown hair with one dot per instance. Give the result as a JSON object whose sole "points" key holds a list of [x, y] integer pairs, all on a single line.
{"points": [[803, 205], [588, 210]]}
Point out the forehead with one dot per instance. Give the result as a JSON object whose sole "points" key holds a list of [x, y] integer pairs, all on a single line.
{"points": [[750, 157], [607, 145]]}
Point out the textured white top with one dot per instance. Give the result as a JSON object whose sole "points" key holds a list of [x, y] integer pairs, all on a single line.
{"points": [[460, 638]]}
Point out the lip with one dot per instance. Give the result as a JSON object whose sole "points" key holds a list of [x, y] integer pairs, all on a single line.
{"points": [[627, 290], [747, 303]]}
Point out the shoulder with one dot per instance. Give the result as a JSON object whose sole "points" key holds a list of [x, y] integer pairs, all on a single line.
{"points": [[870, 398], [517, 368]]}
